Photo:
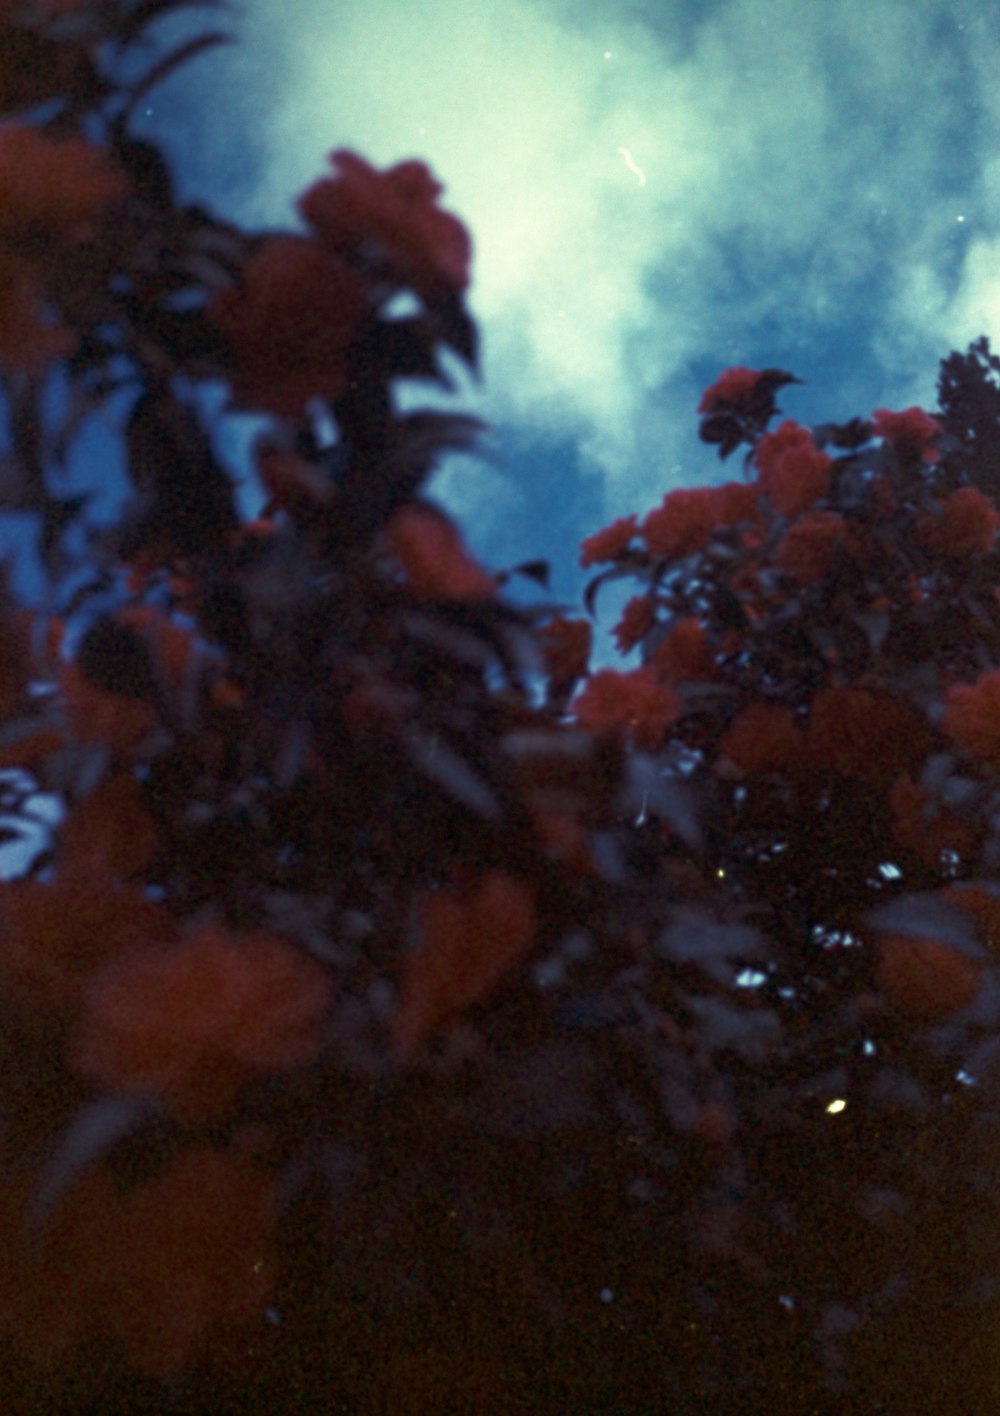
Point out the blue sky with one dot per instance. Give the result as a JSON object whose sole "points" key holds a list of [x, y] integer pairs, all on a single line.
{"points": [[655, 190]]}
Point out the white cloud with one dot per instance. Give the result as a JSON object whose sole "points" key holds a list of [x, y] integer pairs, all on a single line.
{"points": [[803, 165]]}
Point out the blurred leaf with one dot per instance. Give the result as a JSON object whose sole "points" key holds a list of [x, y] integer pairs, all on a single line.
{"points": [[113, 657], [722, 429], [649, 790], [172, 61], [696, 935], [438, 762], [187, 495], [95, 1130], [405, 349], [454, 327], [538, 570], [750, 1033], [132, 20], [146, 168], [33, 68], [593, 586], [929, 916], [850, 435]]}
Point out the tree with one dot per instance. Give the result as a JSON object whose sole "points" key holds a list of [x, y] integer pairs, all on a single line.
{"points": [[403, 1017]]}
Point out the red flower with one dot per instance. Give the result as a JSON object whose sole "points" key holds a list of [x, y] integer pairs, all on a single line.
{"points": [[636, 703], [289, 325], [635, 623], [685, 653], [925, 979], [858, 733], [763, 737], [927, 833], [111, 832], [972, 716], [53, 1291], [194, 1260], [793, 472], [165, 1269], [736, 502], [433, 555], [51, 192], [910, 432], [966, 525], [194, 1022], [55, 937], [809, 547], [733, 386], [53, 186], [687, 517], [565, 646], [607, 545], [397, 212], [468, 940]]}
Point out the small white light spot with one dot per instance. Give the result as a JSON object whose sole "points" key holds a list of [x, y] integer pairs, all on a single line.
{"points": [[632, 166], [607, 53], [720, 873], [836, 1106], [750, 978], [959, 218]]}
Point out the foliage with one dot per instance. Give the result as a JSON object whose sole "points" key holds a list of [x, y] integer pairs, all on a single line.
{"points": [[401, 1016]]}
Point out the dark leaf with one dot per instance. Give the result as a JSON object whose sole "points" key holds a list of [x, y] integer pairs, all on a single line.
{"points": [[95, 1130], [437, 761], [593, 586], [695, 935], [134, 20], [537, 570], [405, 349], [33, 68], [723, 429], [751, 1033], [928, 916], [850, 435], [454, 327], [648, 791], [875, 624], [146, 168], [113, 657], [188, 497], [27, 437], [172, 61]]}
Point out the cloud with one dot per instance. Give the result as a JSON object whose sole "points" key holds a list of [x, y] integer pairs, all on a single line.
{"points": [[805, 168]]}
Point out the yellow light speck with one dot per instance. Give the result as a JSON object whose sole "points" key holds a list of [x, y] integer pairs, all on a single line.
{"points": [[836, 1106]]}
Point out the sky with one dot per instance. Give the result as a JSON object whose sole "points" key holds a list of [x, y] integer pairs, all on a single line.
{"points": [[656, 190]]}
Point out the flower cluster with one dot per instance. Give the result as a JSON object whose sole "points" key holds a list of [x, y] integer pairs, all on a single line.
{"points": [[389, 944]]}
